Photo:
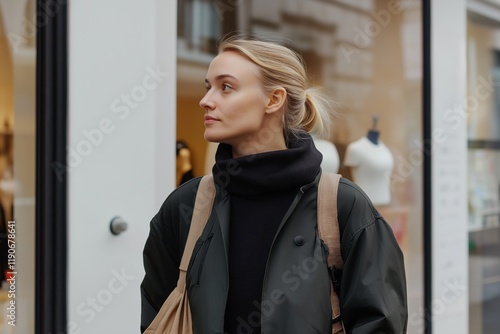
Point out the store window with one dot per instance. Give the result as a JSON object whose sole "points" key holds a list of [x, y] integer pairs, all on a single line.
{"points": [[198, 26], [483, 77], [368, 54]]}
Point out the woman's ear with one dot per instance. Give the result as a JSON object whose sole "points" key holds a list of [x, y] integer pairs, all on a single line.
{"points": [[276, 101]]}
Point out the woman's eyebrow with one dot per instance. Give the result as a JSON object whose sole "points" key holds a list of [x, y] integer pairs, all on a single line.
{"points": [[222, 76]]}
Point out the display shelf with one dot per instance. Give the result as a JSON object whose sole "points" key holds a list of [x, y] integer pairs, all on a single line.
{"points": [[489, 221], [484, 228], [484, 144]]}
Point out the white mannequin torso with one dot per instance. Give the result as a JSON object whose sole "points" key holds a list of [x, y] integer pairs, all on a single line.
{"points": [[331, 160], [372, 165]]}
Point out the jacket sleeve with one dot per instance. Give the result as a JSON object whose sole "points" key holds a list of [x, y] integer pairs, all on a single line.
{"points": [[373, 285], [163, 250], [161, 266]]}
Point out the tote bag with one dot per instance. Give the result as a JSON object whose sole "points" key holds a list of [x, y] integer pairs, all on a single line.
{"points": [[174, 316]]}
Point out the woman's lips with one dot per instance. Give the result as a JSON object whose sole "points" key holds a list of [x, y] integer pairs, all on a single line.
{"points": [[210, 119]]}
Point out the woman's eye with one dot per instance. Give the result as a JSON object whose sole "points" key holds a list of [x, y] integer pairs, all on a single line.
{"points": [[225, 87], [207, 88]]}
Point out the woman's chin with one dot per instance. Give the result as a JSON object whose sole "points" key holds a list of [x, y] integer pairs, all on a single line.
{"points": [[211, 137]]}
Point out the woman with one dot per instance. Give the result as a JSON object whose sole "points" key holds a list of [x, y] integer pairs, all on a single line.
{"points": [[248, 273]]}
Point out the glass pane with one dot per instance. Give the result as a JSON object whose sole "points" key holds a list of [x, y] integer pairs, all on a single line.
{"points": [[483, 76], [368, 55]]}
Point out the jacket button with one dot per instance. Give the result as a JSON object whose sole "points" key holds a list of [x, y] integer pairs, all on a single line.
{"points": [[299, 240]]}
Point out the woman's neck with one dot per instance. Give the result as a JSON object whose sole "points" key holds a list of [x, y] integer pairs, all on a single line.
{"points": [[269, 171], [254, 147]]}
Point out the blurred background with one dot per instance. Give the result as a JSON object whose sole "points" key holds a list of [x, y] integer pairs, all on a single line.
{"points": [[418, 74]]}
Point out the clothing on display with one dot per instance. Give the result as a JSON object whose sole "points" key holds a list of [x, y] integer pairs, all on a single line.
{"points": [[331, 160], [371, 165]]}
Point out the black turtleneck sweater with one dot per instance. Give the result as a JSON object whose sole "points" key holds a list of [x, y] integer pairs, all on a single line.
{"points": [[261, 186]]}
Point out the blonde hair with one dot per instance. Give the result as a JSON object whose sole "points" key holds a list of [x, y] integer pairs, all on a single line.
{"points": [[306, 108]]}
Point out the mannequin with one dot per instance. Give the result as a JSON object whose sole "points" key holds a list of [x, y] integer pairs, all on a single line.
{"points": [[372, 163], [331, 159], [373, 134], [184, 169]]}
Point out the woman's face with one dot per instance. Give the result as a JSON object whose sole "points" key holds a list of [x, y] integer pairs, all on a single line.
{"points": [[235, 104]]}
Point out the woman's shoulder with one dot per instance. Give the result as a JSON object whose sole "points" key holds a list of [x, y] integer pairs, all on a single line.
{"points": [[350, 193], [355, 209], [179, 205], [184, 192]]}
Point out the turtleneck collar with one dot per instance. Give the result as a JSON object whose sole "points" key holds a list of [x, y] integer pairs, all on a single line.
{"points": [[268, 172]]}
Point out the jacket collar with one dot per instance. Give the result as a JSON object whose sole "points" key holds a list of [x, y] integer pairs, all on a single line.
{"points": [[268, 172]]}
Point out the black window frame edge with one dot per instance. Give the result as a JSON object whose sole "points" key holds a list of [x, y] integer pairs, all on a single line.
{"points": [[51, 168], [427, 166]]}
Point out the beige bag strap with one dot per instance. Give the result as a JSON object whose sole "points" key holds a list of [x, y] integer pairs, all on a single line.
{"points": [[329, 232], [202, 209]]}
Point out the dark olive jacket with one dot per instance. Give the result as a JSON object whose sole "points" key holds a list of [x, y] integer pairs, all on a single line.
{"points": [[296, 289]]}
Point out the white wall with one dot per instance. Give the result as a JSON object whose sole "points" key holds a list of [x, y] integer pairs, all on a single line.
{"points": [[127, 169], [449, 165]]}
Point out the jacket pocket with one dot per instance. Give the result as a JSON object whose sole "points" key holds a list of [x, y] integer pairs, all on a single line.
{"points": [[203, 254]]}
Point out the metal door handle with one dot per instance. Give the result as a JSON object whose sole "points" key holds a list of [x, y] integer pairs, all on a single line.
{"points": [[118, 225]]}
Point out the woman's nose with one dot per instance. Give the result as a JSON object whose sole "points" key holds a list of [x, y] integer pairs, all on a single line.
{"points": [[206, 102]]}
